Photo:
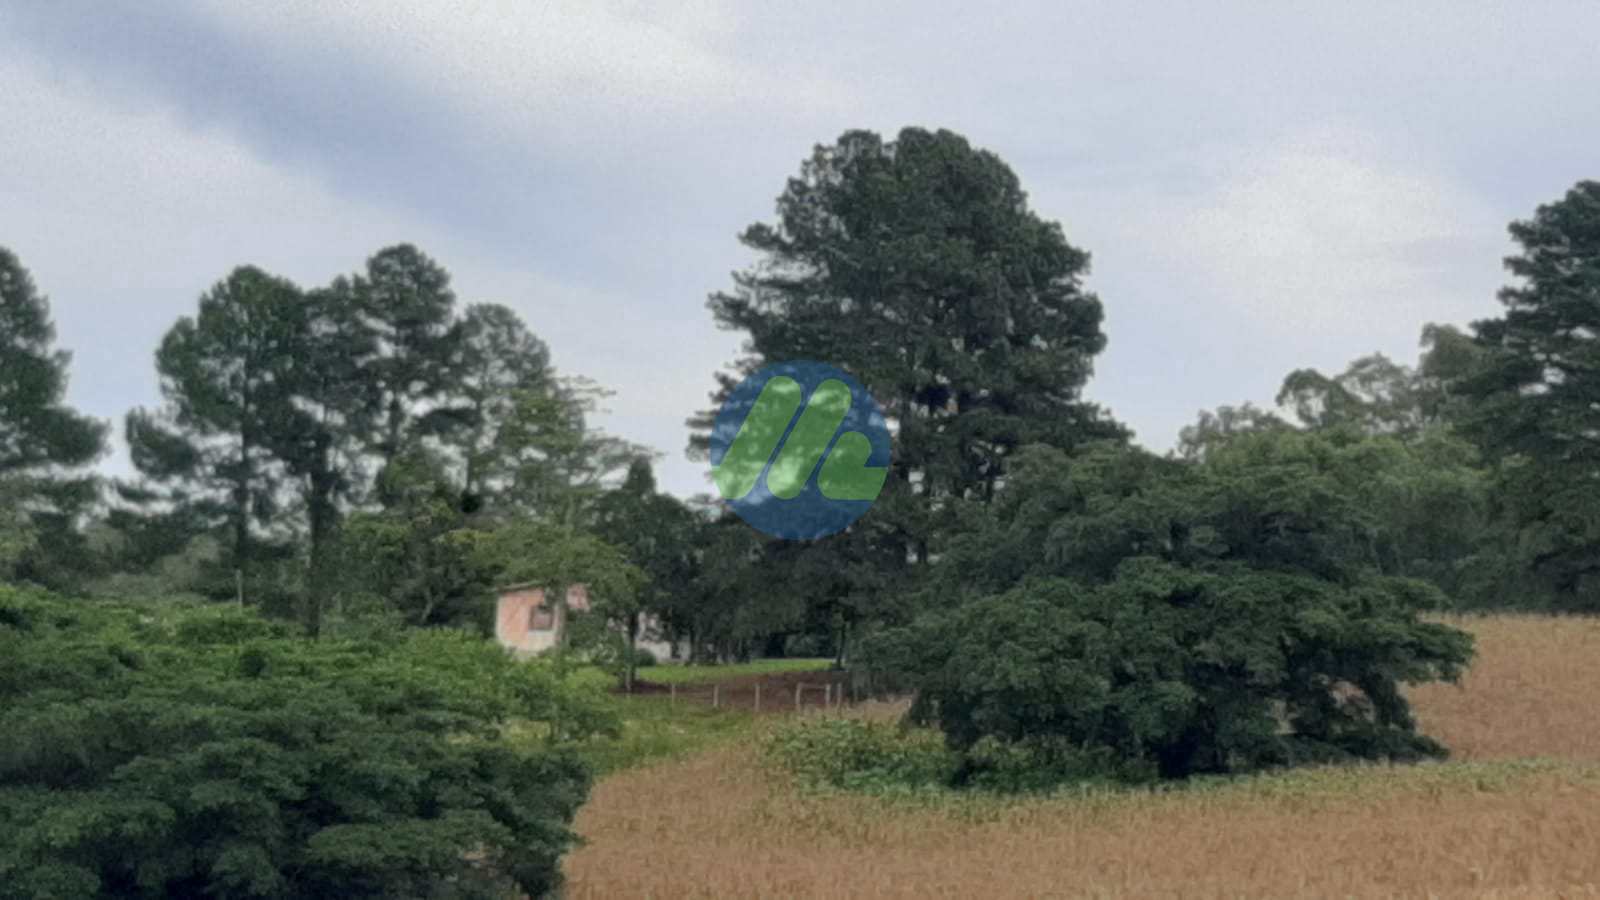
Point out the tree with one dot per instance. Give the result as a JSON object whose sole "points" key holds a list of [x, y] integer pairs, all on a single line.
{"points": [[1125, 615], [1373, 395], [207, 452], [743, 589], [406, 302], [498, 361], [1532, 396], [266, 385], [213, 755], [41, 438], [1214, 428], [417, 554], [656, 534], [917, 266], [556, 557], [555, 466], [326, 407]]}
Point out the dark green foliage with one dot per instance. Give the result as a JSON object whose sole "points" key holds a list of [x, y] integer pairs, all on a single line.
{"points": [[1372, 395], [206, 455], [498, 361], [164, 752], [916, 265], [407, 305], [656, 534], [36, 429], [1135, 616], [1425, 490], [418, 554], [1219, 427], [41, 439], [1531, 397]]}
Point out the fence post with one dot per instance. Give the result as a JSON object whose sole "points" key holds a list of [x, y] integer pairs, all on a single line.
{"points": [[827, 696], [716, 696], [758, 696], [797, 688], [674, 689]]}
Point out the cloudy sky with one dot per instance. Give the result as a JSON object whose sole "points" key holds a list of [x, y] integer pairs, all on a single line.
{"points": [[1260, 189]]}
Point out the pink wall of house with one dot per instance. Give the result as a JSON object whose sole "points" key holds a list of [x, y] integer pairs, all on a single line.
{"points": [[524, 624], [518, 622]]}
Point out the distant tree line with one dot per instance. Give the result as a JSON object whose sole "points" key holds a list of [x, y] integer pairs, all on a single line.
{"points": [[372, 452]]}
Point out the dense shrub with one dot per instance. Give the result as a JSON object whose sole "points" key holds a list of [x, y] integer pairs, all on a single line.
{"points": [[1125, 616], [858, 754], [203, 752]]}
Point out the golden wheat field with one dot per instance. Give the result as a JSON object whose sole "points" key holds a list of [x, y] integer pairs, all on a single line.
{"points": [[1515, 813]]}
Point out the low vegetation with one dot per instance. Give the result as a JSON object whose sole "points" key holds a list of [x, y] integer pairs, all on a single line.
{"points": [[731, 671], [167, 751], [1100, 642], [1515, 813]]}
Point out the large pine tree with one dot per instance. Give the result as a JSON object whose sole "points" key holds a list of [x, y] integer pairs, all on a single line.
{"points": [[917, 266], [406, 302], [206, 448], [1533, 394], [41, 438]]}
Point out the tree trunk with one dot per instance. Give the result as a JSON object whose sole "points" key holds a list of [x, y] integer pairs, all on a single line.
{"points": [[844, 637], [323, 516], [629, 665]]}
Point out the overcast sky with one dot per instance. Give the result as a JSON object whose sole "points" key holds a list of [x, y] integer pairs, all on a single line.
{"points": [[1260, 189]]}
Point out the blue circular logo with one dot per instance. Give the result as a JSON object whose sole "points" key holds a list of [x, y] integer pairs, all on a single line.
{"points": [[800, 450]]}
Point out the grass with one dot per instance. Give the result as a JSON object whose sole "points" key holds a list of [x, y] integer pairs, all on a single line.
{"points": [[1516, 813], [653, 730], [683, 674]]}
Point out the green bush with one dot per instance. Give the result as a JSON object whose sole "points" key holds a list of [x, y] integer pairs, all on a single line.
{"points": [[1123, 616], [857, 754], [160, 751]]}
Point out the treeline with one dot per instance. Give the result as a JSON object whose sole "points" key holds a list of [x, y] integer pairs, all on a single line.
{"points": [[368, 459], [917, 265], [374, 450], [1065, 604], [367, 454]]}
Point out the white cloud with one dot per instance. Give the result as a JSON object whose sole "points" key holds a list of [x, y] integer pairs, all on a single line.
{"points": [[1328, 233], [124, 216]]}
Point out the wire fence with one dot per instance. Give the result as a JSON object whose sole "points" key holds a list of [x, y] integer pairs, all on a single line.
{"points": [[768, 696]]}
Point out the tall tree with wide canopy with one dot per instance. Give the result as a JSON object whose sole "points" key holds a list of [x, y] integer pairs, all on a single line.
{"points": [[917, 266], [266, 386], [41, 438], [328, 408], [405, 300], [497, 361], [1120, 614], [1533, 394], [207, 449]]}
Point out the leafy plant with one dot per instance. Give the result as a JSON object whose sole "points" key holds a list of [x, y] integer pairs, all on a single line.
{"points": [[860, 754], [1130, 617], [205, 752]]}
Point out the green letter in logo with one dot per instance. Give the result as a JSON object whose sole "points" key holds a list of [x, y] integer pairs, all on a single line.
{"points": [[757, 444]]}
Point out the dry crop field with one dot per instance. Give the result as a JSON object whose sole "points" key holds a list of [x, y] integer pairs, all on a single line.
{"points": [[1515, 813]]}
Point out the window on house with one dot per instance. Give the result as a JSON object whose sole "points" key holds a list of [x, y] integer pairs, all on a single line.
{"points": [[540, 618]]}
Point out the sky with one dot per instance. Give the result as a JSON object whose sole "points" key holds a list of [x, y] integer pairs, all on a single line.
{"points": [[1262, 186]]}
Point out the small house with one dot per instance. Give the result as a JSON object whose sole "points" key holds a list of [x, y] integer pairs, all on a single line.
{"points": [[528, 624]]}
